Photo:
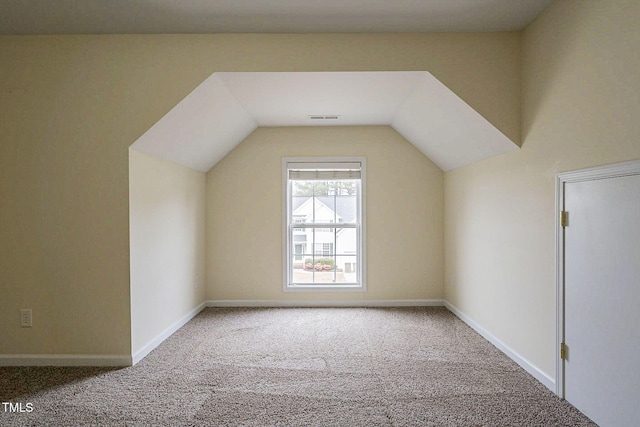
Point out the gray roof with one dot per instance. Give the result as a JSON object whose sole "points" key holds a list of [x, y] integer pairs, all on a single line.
{"points": [[344, 206]]}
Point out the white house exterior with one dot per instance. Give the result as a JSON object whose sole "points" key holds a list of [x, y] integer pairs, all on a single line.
{"points": [[339, 244]]}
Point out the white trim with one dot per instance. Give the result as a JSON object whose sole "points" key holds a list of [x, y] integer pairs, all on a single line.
{"points": [[340, 164], [298, 303], [342, 287], [97, 360], [588, 174], [559, 390], [151, 345], [538, 374], [65, 360], [601, 172]]}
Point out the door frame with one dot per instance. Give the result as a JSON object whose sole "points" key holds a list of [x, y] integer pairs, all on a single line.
{"points": [[589, 174]]}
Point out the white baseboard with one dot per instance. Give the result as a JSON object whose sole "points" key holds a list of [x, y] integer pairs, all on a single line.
{"points": [[151, 345], [64, 360], [127, 360], [297, 303], [545, 379], [97, 360]]}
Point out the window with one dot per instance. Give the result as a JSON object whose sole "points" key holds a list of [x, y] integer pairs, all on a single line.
{"points": [[324, 224], [298, 220]]}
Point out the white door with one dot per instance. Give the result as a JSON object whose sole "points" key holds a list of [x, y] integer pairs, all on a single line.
{"points": [[602, 299]]}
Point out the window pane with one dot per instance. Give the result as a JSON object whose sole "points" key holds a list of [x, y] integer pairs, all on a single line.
{"points": [[325, 241], [341, 269], [302, 274], [302, 188], [346, 209], [323, 211], [302, 236], [325, 201], [347, 267], [346, 241]]}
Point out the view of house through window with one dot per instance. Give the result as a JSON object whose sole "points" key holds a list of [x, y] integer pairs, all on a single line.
{"points": [[324, 224]]}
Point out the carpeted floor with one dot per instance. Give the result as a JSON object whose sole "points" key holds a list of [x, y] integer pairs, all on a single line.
{"points": [[298, 367]]}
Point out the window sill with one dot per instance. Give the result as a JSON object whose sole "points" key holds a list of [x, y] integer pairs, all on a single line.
{"points": [[324, 288]]}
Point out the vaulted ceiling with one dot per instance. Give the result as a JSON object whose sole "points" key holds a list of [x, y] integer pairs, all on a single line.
{"points": [[227, 107]]}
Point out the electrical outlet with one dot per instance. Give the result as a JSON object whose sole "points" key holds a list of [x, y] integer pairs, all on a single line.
{"points": [[26, 318]]}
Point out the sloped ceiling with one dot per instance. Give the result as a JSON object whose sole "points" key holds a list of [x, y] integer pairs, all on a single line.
{"points": [[227, 107]]}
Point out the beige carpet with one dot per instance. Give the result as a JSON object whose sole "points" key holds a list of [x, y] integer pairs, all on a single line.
{"points": [[298, 367]]}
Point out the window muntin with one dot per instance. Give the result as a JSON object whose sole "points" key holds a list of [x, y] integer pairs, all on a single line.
{"points": [[324, 215]]}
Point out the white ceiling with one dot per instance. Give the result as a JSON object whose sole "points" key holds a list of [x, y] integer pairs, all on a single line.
{"points": [[228, 107], [273, 16]]}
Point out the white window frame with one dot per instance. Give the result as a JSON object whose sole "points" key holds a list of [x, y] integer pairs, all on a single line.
{"points": [[288, 249]]}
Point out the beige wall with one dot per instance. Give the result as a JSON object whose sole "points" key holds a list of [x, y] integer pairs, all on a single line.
{"points": [[70, 106], [167, 240], [404, 206], [580, 108]]}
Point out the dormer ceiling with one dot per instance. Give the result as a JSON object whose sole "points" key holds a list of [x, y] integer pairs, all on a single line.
{"points": [[227, 107]]}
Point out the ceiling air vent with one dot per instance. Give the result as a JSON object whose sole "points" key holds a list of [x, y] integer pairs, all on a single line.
{"points": [[318, 117]]}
